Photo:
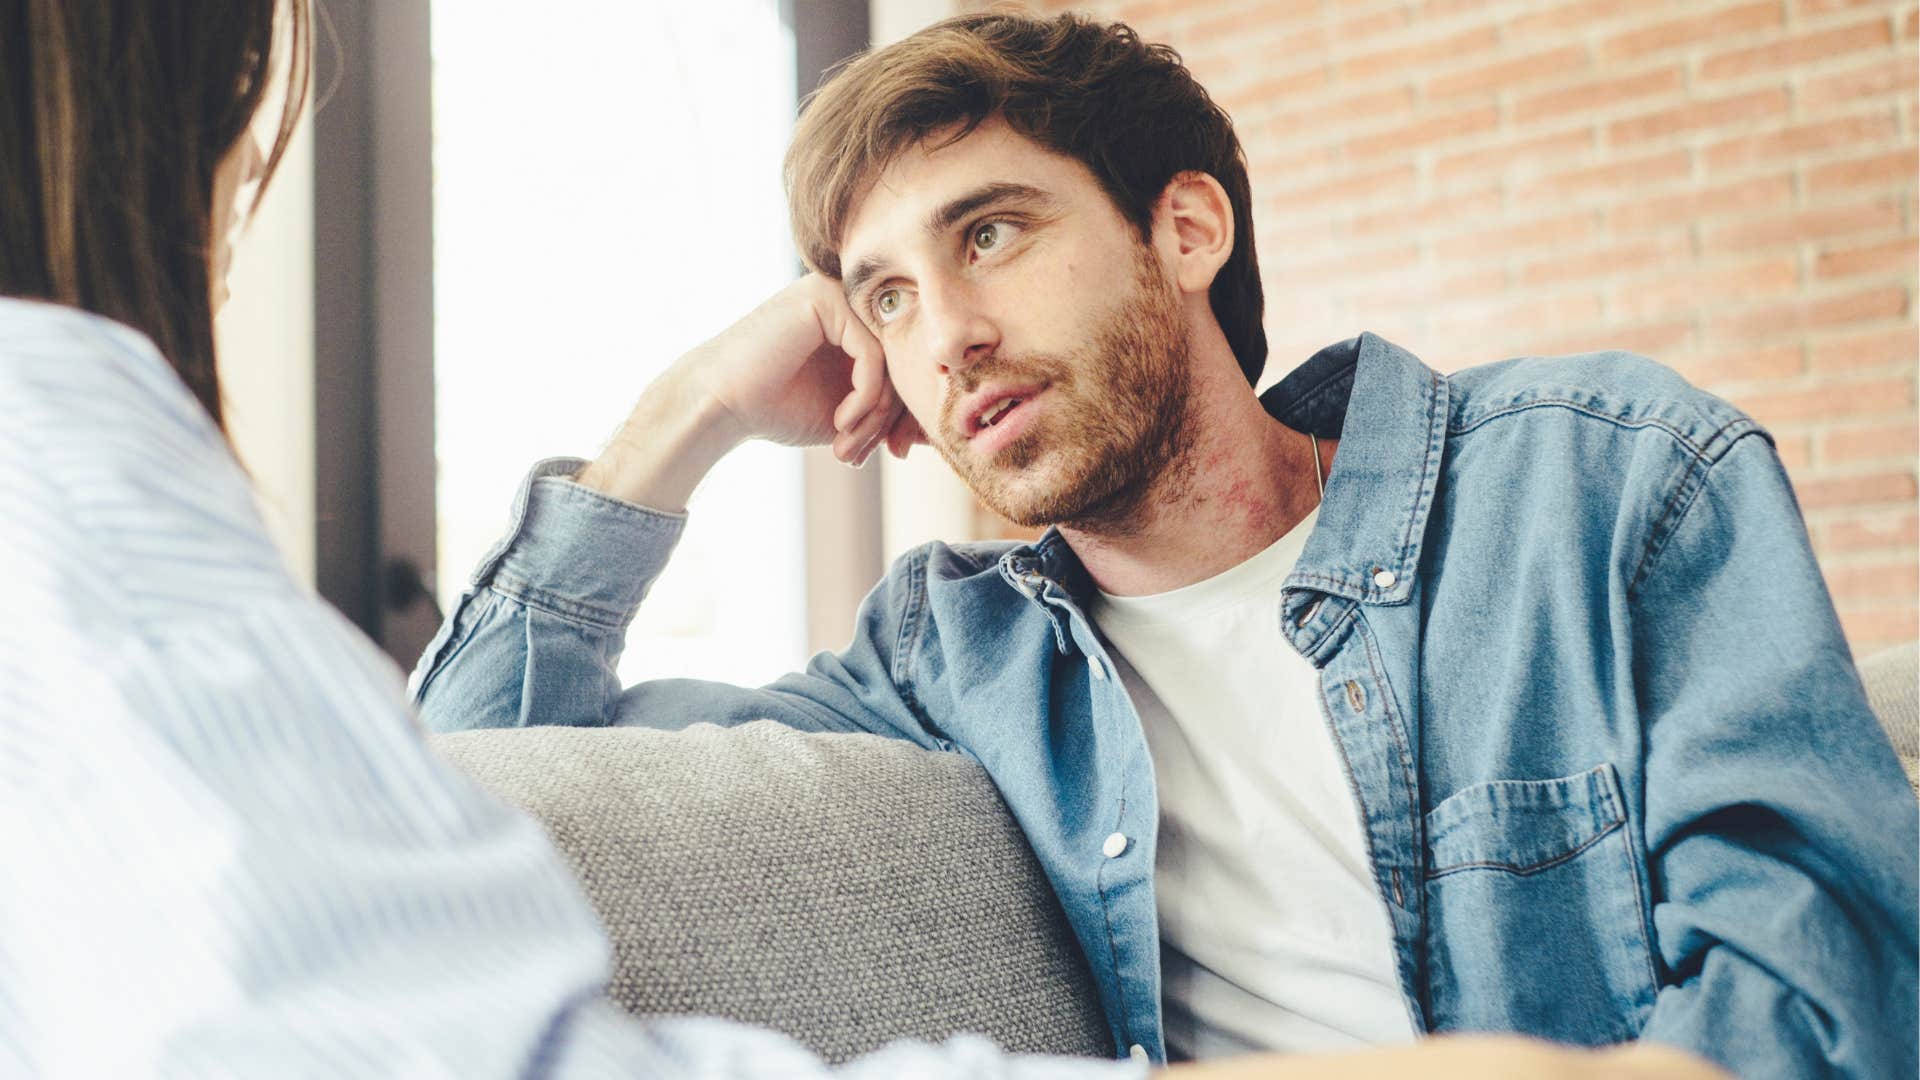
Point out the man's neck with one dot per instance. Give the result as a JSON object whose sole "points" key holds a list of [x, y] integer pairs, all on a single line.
{"points": [[1244, 481]]}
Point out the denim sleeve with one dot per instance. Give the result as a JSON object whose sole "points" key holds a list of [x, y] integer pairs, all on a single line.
{"points": [[1780, 829], [538, 635]]}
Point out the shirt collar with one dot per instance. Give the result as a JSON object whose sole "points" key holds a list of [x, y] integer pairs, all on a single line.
{"points": [[1389, 412]]}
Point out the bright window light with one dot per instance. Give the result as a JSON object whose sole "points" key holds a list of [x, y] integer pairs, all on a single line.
{"points": [[607, 196]]}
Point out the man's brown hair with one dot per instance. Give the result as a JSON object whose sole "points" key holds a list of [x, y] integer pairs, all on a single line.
{"points": [[1126, 109]]}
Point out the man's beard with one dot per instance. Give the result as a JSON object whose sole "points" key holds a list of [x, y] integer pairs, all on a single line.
{"points": [[1114, 419]]}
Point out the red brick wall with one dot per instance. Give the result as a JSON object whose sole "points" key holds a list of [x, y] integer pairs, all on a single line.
{"points": [[1726, 185]]}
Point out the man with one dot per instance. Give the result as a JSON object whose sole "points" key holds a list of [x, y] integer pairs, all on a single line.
{"points": [[1387, 703]]}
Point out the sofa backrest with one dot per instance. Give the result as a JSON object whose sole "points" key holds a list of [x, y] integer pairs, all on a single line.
{"points": [[1892, 678], [847, 890]]}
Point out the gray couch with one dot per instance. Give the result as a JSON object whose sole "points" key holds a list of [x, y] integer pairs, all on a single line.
{"points": [[845, 889]]}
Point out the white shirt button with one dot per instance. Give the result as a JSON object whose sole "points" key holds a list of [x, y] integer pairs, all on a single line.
{"points": [[1115, 845], [1094, 665], [1384, 579], [1137, 1053]]}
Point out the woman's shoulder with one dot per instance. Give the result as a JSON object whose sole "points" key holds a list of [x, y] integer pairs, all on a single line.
{"points": [[113, 471], [72, 366]]}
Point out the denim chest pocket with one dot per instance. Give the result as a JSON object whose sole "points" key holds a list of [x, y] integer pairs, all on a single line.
{"points": [[1535, 916]]}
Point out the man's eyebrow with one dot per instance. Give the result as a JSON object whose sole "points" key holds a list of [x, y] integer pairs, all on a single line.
{"points": [[862, 270], [984, 195], [949, 213]]}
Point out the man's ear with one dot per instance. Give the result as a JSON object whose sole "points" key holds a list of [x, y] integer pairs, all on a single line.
{"points": [[1193, 229]]}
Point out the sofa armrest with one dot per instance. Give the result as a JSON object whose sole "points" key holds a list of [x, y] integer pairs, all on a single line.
{"points": [[847, 890]]}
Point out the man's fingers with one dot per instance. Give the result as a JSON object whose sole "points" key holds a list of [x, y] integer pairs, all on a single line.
{"points": [[850, 443], [854, 447], [868, 415], [869, 371], [856, 405], [904, 434], [872, 429]]}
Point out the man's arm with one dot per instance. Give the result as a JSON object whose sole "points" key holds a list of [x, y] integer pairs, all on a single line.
{"points": [[800, 369], [538, 637], [1780, 830]]}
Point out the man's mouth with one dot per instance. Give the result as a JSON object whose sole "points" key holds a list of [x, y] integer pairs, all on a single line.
{"points": [[997, 410], [988, 408]]}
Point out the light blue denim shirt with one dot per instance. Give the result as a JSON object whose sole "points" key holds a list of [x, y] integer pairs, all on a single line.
{"points": [[1616, 773]]}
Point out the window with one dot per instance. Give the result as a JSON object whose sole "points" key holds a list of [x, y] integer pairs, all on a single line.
{"points": [[606, 196]]}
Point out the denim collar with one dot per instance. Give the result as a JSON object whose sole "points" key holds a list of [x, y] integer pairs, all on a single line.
{"points": [[1389, 412]]}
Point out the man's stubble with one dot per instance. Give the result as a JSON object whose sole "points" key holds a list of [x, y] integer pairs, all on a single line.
{"points": [[1114, 428]]}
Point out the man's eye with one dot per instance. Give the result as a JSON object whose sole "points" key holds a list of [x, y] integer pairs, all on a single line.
{"points": [[887, 303], [991, 235]]}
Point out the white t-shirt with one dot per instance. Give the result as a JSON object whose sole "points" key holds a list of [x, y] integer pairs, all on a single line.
{"points": [[1273, 935]]}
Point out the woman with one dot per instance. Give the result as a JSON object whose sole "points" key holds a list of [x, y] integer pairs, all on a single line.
{"points": [[226, 849]]}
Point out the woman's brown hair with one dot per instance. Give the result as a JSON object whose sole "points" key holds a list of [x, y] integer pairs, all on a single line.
{"points": [[1128, 110], [114, 116]]}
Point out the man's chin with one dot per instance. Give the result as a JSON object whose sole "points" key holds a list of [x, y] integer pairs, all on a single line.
{"points": [[1031, 485], [1036, 497], [1011, 465], [1021, 495]]}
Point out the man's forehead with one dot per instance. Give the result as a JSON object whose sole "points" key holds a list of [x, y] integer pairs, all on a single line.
{"points": [[939, 168]]}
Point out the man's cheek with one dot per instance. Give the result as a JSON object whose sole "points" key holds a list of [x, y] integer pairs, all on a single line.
{"points": [[927, 415]]}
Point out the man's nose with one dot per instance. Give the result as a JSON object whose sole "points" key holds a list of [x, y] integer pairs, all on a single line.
{"points": [[963, 332]]}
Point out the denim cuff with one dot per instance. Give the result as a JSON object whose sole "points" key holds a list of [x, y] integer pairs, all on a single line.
{"points": [[576, 552]]}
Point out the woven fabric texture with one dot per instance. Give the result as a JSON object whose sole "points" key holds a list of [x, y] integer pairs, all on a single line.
{"points": [[1893, 687], [847, 890]]}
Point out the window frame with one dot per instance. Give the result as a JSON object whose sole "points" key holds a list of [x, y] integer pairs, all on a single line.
{"points": [[375, 503]]}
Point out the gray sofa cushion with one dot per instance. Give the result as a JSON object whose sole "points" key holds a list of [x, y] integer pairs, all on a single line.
{"points": [[1893, 688], [845, 889]]}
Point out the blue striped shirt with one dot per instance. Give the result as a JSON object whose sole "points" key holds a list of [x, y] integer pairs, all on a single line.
{"points": [[227, 850]]}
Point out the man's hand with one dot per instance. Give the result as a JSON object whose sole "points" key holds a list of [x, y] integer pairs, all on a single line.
{"points": [[1465, 1057], [799, 369]]}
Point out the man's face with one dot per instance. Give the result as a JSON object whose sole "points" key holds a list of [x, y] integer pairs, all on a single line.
{"points": [[1034, 337]]}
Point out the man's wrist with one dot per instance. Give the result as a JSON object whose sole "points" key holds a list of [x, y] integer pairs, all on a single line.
{"points": [[669, 442]]}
